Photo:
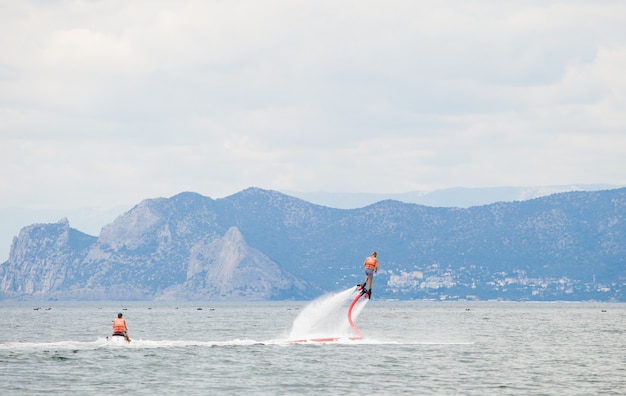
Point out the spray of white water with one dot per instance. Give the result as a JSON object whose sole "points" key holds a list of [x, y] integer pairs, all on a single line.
{"points": [[327, 317]]}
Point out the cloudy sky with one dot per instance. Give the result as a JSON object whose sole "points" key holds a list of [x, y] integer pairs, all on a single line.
{"points": [[106, 103]]}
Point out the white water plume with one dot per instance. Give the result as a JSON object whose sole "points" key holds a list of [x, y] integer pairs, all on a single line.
{"points": [[326, 317]]}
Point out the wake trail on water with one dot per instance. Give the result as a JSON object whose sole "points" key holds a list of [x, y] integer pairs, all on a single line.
{"points": [[102, 343]]}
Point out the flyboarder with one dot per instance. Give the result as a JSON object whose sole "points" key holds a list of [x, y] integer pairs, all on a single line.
{"points": [[371, 267]]}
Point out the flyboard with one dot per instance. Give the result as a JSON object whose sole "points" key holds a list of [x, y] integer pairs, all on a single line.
{"points": [[363, 293]]}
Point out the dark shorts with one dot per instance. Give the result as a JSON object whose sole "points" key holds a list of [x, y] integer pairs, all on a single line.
{"points": [[369, 272]]}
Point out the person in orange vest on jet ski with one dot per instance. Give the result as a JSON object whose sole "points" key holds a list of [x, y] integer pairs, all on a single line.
{"points": [[119, 327], [371, 267]]}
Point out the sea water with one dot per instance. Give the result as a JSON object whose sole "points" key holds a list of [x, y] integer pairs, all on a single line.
{"points": [[410, 347]]}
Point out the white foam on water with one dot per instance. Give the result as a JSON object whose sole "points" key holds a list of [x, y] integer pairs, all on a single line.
{"points": [[135, 343], [326, 317]]}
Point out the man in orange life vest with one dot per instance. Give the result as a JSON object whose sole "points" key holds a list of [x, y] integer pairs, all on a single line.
{"points": [[119, 327], [371, 266]]}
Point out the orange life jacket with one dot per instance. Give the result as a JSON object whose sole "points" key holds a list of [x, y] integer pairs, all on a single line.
{"points": [[119, 325], [370, 263]]}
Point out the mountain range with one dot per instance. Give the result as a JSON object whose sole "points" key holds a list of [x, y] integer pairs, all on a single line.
{"points": [[265, 245], [458, 197], [91, 219]]}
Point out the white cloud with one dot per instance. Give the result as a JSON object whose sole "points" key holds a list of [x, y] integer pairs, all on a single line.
{"points": [[118, 101]]}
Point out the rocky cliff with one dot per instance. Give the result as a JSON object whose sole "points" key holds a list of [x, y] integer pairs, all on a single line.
{"points": [[157, 250]]}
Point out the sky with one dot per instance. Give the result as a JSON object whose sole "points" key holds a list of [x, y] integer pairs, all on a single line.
{"points": [[107, 103]]}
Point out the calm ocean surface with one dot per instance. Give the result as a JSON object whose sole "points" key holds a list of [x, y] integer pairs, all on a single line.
{"points": [[417, 347]]}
